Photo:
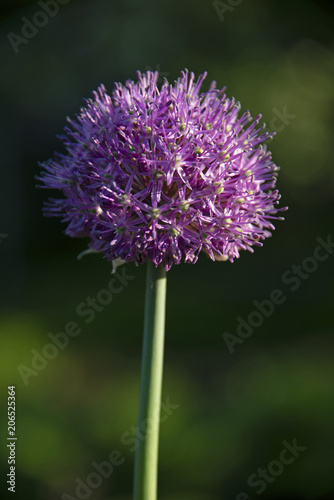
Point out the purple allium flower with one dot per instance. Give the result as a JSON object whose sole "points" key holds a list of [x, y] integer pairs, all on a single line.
{"points": [[164, 174]]}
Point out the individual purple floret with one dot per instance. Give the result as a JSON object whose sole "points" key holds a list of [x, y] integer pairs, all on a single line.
{"points": [[164, 174]]}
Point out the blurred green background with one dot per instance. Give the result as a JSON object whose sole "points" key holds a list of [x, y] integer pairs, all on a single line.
{"points": [[234, 410]]}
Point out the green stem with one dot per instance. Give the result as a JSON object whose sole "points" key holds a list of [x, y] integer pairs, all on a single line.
{"points": [[146, 458]]}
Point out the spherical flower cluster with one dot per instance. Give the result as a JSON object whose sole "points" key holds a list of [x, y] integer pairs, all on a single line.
{"points": [[164, 174]]}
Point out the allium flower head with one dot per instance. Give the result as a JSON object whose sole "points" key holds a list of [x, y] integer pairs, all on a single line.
{"points": [[164, 174]]}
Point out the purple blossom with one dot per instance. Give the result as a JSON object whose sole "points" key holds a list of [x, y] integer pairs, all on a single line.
{"points": [[164, 174]]}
